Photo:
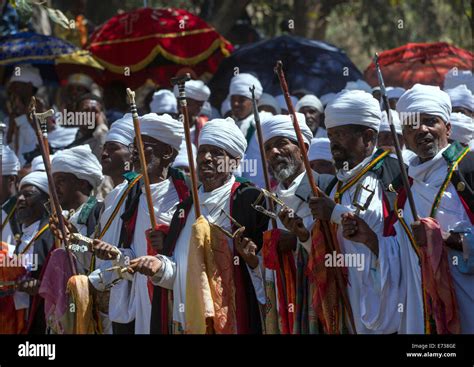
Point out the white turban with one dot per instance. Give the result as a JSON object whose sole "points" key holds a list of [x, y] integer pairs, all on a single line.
{"points": [[206, 109], [164, 101], [395, 92], [163, 128], [38, 179], [82, 80], [10, 162], [27, 74], [79, 161], [462, 128], [225, 134], [268, 100], [353, 107], [225, 106], [328, 97], [37, 163], [320, 149], [461, 97], [195, 89], [122, 130], [455, 77], [282, 125], [240, 84], [425, 99], [182, 157], [358, 85], [385, 127], [282, 102], [309, 100]]}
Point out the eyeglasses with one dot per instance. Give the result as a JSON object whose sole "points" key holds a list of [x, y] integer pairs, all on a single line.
{"points": [[132, 147]]}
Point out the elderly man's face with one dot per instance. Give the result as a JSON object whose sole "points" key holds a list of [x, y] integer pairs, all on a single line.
{"points": [[427, 136], [284, 158], [194, 108], [241, 106], [214, 166], [30, 204], [313, 117], [157, 154]]}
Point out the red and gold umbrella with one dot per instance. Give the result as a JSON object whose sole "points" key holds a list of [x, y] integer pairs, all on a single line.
{"points": [[425, 63], [157, 44]]}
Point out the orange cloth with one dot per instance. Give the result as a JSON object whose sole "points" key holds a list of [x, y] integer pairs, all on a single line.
{"points": [[210, 289], [78, 290]]}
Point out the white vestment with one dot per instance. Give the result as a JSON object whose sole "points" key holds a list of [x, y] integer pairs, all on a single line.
{"points": [[427, 180], [374, 287]]}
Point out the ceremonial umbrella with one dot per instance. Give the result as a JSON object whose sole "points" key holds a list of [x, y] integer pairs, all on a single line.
{"points": [[55, 57], [425, 63], [308, 64], [157, 44]]}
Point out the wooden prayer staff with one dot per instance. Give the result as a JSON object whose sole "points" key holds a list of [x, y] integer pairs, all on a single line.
{"points": [[141, 154], [386, 106], [326, 229], [180, 82], [43, 122], [263, 156], [56, 207]]}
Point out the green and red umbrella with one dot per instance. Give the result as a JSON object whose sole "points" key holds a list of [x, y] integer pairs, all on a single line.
{"points": [[157, 44]]}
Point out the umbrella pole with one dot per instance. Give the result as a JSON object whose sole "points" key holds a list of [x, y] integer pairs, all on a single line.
{"points": [[263, 155], [56, 207], [326, 230], [398, 150], [141, 153], [180, 82]]}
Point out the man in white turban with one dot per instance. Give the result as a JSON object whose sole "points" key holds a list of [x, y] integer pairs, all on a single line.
{"points": [[77, 173], [385, 138], [285, 164], [126, 211], [441, 199], [10, 168], [282, 103], [269, 104], [313, 110], [320, 157], [462, 100], [116, 157], [164, 101], [455, 77], [196, 94], [23, 84], [462, 128], [393, 95], [34, 245], [221, 147], [353, 120]]}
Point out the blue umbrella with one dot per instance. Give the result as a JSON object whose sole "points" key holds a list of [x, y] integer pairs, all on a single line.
{"points": [[308, 64], [55, 57]]}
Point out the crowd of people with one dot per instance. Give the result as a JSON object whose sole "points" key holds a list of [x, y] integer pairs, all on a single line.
{"points": [[263, 252]]}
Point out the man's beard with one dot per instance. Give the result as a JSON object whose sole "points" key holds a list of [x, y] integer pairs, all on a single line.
{"points": [[286, 167]]}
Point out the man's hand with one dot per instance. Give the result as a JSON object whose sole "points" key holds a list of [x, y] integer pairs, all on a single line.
{"points": [[322, 206], [30, 286], [287, 241], [419, 233], [54, 228], [293, 223], [453, 240], [156, 238], [246, 248], [146, 265], [356, 229], [104, 250]]}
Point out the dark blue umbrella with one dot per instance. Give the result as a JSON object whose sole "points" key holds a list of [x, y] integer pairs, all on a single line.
{"points": [[55, 57], [308, 64]]}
